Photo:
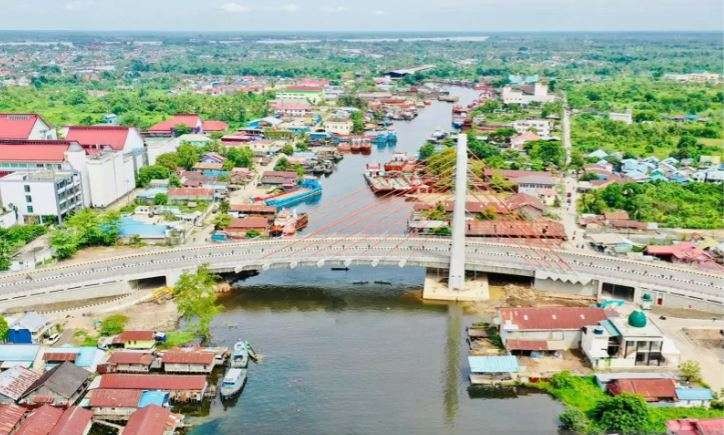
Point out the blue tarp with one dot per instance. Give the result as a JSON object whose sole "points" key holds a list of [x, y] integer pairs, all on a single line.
{"points": [[153, 397], [684, 393], [493, 364]]}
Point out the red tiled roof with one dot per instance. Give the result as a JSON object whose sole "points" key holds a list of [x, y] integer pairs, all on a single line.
{"points": [[127, 336], [710, 426], [518, 200], [149, 420], [127, 357], [33, 150], [208, 165], [652, 390], [547, 318], [249, 222], [512, 344], [75, 420], [305, 88], [114, 398], [10, 416], [16, 381], [252, 208], [190, 191], [188, 120], [187, 357], [521, 229], [212, 125], [99, 136], [40, 421], [153, 382], [60, 356], [616, 215], [291, 105], [17, 125]]}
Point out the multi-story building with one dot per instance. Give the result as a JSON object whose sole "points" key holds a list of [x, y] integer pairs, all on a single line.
{"points": [[38, 195], [339, 126], [526, 94], [541, 127]]}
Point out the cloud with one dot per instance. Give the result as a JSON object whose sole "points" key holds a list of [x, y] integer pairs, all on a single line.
{"points": [[333, 9], [289, 7], [379, 12], [77, 5], [236, 8]]}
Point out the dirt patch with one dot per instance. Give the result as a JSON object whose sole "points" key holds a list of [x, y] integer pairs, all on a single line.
{"points": [[547, 366], [711, 338], [513, 295], [685, 313]]}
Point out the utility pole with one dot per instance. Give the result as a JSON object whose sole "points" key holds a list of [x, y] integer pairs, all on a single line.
{"points": [[456, 277]]}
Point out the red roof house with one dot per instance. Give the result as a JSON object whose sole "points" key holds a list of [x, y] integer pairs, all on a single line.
{"points": [[652, 390], [10, 416], [695, 426], [238, 227], [33, 151], [684, 252], [190, 194], [114, 398], [95, 138], [550, 318], [541, 229], [24, 126], [212, 126], [40, 421], [180, 387], [191, 121], [188, 361], [75, 420], [151, 420]]}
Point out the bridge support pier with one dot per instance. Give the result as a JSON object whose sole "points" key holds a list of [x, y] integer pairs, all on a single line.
{"points": [[436, 287]]}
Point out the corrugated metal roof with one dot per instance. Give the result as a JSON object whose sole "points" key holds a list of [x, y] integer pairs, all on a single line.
{"points": [[31, 321], [127, 357], [493, 364], [153, 397], [550, 318], [40, 421], [15, 381], [151, 420], [683, 393], [114, 398], [75, 420], [153, 382], [18, 352], [10, 416], [187, 357]]}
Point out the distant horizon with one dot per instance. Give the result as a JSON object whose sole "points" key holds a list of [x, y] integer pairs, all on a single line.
{"points": [[371, 15], [362, 32]]}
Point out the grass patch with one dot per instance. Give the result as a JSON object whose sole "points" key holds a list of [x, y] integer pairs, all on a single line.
{"points": [[177, 338], [583, 394]]}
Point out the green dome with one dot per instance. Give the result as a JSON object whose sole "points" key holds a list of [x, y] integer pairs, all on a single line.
{"points": [[637, 319], [647, 296]]}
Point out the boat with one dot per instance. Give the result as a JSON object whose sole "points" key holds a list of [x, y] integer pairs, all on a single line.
{"points": [[341, 268], [383, 282], [309, 189], [240, 355], [287, 223], [360, 282], [233, 382]]}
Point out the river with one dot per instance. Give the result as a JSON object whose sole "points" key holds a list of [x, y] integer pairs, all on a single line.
{"points": [[340, 358]]}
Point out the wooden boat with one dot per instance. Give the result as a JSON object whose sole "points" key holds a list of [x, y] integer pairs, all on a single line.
{"points": [[341, 268], [233, 382]]}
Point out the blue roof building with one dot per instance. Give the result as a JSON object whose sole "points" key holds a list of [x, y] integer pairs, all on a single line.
{"points": [[694, 396], [493, 364], [28, 328], [12, 355]]}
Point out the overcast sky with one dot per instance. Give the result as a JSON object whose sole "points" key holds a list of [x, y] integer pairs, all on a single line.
{"points": [[360, 15]]}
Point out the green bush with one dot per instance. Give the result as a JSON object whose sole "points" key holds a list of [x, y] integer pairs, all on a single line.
{"points": [[625, 413], [575, 420], [113, 325]]}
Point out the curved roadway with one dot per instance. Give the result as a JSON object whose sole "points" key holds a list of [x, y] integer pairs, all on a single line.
{"points": [[413, 251]]}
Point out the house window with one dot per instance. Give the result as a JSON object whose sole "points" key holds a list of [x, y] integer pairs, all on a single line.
{"points": [[26, 188], [28, 198], [30, 209]]}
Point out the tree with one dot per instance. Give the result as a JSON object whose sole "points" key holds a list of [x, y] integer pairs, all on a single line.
{"points": [[625, 413], [550, 152], [188, 155], [222, 221], [168, 160], [358, 122], [160, 199], [426, 150], [252, 234], [196, 300], [113, 324], [288, 149], [501, 184], [4, 328], [573, 419], [690, 371], [240, 157], [180, 129], [65, 243], [151, 172]]}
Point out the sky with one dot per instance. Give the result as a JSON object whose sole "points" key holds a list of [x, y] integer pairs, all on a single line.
{"points": [[363, 15]]}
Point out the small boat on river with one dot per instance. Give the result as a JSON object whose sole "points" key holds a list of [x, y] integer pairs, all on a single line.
{"points": [[240, 354], [233, 382]]}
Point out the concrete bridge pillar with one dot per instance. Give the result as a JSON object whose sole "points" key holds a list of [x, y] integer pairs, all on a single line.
{"points": [[457, 288]]}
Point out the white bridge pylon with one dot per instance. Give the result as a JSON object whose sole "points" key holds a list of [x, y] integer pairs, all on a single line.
{"points": [[456, 277]]}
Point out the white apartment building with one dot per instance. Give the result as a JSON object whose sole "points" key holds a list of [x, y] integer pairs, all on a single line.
{"points": [[526, 94], [541, 127], [339, 126], [37, 195]]}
